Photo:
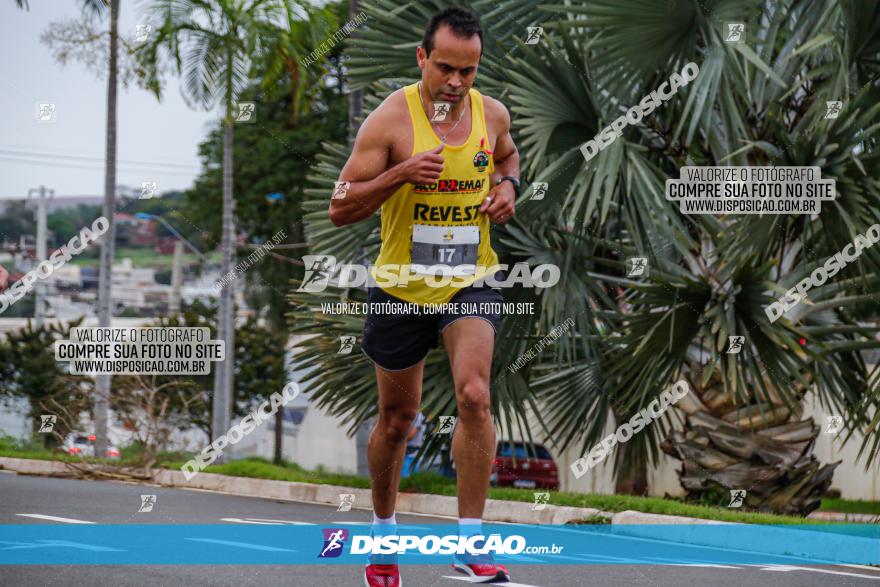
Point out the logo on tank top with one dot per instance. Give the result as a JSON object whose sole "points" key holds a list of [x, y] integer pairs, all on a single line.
{"points": [[450, 186], [481, 161]]}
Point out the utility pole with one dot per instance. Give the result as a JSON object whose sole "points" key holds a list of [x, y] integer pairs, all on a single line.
{"points": [[108, 241], [41, 285], [176, 278], [221, 406]]}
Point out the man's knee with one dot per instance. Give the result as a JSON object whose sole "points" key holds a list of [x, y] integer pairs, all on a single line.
{"points": [[394, 424], [473, 401]]}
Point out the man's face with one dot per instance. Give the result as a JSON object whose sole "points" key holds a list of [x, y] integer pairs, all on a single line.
{"points": [[448, 74]]}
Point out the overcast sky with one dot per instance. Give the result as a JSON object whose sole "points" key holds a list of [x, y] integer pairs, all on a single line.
{"points": [[70, 151]]}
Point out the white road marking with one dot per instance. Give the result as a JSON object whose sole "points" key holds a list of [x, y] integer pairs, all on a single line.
{"points": [[294, 522], [55, 519], [672, 562], [241, 544], [53, 543], [600, 558], [865, 567], [240, 521], [468, 579], [785, 568]]}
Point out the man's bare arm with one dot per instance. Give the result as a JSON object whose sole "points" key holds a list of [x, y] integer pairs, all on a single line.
{"points": [[367, 170], [499, 203], [506, 155]]}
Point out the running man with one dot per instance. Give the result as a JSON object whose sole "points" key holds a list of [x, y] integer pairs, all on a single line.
{"points": [[440, 174]]}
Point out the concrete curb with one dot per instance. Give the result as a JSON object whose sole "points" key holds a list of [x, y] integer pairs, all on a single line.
{"points": [[681, 529], [419, 503]]}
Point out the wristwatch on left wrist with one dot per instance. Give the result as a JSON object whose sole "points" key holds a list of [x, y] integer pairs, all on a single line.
{"points": [[513, 180]]}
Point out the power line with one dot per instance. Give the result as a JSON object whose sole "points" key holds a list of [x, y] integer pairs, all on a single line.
{"points": [[91, 158], [93, 167]]}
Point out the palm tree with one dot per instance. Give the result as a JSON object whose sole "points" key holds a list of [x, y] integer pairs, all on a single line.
{"points": [[306, 28], [761, 102], [94, 10], [213, 45], [105, 278]]}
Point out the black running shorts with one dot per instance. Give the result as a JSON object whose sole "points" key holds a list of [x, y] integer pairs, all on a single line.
{"points": [[399, 340]]}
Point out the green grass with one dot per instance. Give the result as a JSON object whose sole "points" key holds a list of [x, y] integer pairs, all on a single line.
{"points": [[432, 483], [850, 506]]}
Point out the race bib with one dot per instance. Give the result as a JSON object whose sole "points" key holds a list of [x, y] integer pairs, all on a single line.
{"points": [[445, 249]]}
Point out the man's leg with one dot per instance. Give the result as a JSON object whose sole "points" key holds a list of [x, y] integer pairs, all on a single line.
{"points": [[470, 343], [400, 393]]}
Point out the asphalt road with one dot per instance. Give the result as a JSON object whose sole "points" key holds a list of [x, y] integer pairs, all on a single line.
{"points": [[38, 500]]}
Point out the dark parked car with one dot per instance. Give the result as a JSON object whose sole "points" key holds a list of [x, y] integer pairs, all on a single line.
{"points": [[524, 464]]}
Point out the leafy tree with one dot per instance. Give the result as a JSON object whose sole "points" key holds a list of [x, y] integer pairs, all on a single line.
{"points": [[28, 369], [17, 220]]}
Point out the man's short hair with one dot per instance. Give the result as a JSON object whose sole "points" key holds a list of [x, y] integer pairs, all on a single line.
{"points": [[462, 21]]}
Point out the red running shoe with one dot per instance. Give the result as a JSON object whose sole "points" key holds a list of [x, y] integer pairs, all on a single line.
{"points": [[382, 576], [481, 568]]}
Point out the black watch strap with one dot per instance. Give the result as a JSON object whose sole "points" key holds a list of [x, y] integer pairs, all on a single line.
{"points": [[513, 180]]}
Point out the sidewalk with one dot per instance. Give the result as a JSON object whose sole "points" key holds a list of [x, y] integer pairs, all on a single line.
{"points": [[737, 536]]}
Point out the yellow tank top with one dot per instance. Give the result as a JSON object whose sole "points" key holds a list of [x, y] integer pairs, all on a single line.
{"points": [[436, 228]]}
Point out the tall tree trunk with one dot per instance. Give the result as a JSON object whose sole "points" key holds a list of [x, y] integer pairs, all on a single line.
{"points": [[223, 377], [631, 478], [102, 383]]}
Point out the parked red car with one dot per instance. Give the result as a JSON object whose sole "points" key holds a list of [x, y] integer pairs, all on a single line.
{"points": [[524, 464]]}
